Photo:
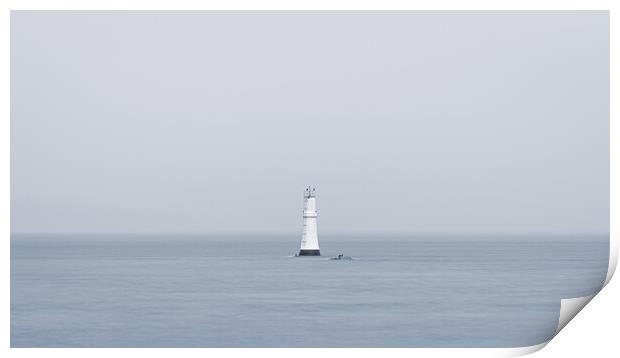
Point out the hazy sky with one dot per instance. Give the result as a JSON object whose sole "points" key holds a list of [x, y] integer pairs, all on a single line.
{"points": [[213, 121]]}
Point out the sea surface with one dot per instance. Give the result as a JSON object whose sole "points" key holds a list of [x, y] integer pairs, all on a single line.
{"points": [[169, 290]]}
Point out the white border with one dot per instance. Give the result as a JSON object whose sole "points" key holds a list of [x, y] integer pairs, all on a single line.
{"points": [[297, 5]]}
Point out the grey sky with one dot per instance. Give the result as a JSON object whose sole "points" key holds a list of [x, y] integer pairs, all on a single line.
{"points": [[414, 121]]}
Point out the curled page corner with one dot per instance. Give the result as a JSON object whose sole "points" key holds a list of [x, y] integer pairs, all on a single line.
{"points": [[613, 256], [569, 307], [522, 351]]}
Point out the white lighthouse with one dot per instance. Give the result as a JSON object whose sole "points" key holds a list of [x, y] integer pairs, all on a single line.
{"points": [[310, 237]]}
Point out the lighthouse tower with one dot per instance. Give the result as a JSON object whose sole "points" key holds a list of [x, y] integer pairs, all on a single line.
{"points": [[309, 238]]}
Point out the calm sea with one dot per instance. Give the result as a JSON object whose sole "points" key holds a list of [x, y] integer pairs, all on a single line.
{"points": [[248, 291]]}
